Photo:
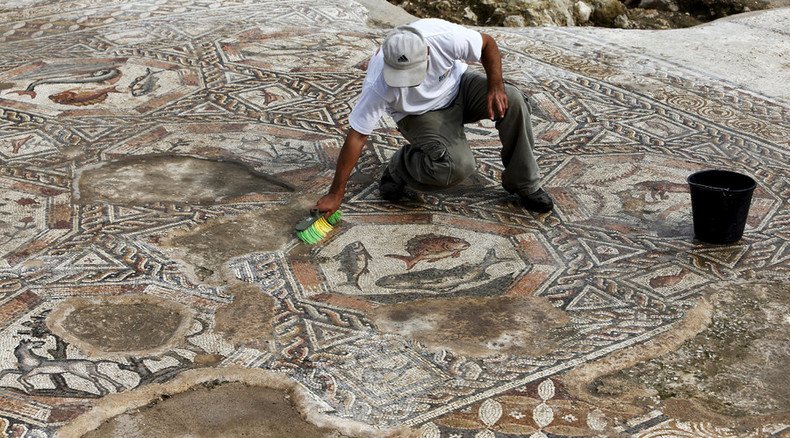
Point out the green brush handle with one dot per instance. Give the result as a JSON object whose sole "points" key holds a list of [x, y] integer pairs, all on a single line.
{"points": [[334, 218]]}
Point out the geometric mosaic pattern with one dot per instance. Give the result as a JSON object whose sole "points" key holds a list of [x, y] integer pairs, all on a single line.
{"points": [[270, 85]]}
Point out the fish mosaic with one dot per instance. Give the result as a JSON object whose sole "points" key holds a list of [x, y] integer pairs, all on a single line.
{"points": [[79, 97], [443, 280], [97, 77], [354, 261], [431, 248], [668, 280], [145, 84]]}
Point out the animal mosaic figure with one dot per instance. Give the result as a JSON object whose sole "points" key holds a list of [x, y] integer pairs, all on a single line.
{"points": [[354, 259], [431, 248], [651, 203], [443, 280], [17, 144], [659, 190], [97, 77], [144, 84], [31, 364], [80, 97], [669, 280]]}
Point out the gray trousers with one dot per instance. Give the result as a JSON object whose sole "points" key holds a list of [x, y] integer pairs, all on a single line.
{"points": [[438, 156]]}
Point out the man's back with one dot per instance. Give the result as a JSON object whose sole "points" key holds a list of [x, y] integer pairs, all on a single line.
{"points": [[449, 45]]}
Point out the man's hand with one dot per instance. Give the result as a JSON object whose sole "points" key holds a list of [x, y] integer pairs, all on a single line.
{"points": [[492, 63], [329, 203], [497, 102]]}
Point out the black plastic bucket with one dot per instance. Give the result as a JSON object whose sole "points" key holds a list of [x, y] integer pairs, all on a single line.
{"points": [[720, 202]]}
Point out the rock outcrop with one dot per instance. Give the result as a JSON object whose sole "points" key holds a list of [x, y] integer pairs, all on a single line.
{"points": [[626, 14]]}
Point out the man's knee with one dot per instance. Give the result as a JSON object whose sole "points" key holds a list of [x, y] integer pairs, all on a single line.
{"points": [[463, 167], [444, 165], [516, 99]]}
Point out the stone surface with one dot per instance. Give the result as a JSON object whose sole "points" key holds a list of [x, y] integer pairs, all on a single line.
{"points": [[145, 180], [611, 281], [582, 11], [664, 5], [388, 15], [734, 372], [479, 326], [514, 21], [247, 321], [720, 49], [659, 19], [119, 327], [494, 13], [707, 9], [606, 12], [207, 247], [231, 409], [646, 14]]}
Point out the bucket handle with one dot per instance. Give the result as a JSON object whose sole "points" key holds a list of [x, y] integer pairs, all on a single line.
{"points": [[703, 186], [726, 191]]}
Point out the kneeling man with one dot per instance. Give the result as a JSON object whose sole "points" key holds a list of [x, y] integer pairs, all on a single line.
{"points": [[419, 77]]}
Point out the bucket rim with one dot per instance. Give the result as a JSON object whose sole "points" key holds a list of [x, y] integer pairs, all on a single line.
{"points": [[751, 187]]}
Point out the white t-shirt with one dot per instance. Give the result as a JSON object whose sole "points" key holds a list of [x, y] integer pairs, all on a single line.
{"points": [[449, 46]]}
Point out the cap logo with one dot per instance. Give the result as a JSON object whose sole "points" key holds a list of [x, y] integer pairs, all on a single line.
{"points": [[403, 58]]}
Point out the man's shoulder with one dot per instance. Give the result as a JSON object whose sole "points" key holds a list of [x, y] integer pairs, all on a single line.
{"points": [[374, 80], [430, 27], [373, 71]]}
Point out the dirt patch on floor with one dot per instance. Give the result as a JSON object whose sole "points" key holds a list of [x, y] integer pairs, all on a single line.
{"points": [[117, 326], [591, 383], [732, 374], [528, 326], [212, 410], [247, 321], [226, 402], [150, 179], [207, 247], [733, 371]]}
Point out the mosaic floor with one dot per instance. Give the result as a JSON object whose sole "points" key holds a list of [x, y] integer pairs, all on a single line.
{"points": [[129, 128]]}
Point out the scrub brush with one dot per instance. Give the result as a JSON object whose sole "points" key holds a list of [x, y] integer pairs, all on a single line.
{"points": [[314, 228]]}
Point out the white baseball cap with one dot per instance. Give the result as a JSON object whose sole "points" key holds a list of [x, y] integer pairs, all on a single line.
{"points": [[405, 57]]}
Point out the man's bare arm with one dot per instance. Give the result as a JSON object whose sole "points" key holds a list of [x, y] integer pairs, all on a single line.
{"points": [[492, 63], [349, 155]]}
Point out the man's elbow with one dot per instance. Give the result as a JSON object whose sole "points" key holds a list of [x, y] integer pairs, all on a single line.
{"points": [[356, 135], [355, 139], [488, 41]]}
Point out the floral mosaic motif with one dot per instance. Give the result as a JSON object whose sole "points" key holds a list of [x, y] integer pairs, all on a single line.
{"points": [[545, 409], [535, 410], [83, 83]]}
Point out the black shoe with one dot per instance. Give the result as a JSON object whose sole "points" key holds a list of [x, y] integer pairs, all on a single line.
{"points": [[539, 202], [390, 189]]}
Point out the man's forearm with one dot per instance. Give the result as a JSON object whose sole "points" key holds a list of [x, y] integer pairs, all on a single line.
{"points": [[492, 62], [349, 155]]}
